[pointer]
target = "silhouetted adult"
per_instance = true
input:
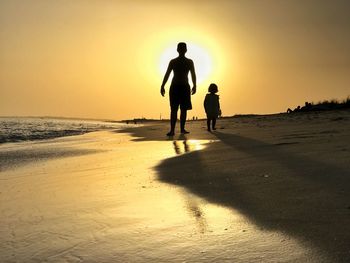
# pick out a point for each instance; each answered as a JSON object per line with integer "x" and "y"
{"x": 180, "y": 90}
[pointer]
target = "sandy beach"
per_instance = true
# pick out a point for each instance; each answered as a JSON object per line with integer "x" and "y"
{"x": 259, "y": 189}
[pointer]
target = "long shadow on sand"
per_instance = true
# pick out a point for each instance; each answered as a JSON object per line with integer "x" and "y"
{"x": 276, "y": 189}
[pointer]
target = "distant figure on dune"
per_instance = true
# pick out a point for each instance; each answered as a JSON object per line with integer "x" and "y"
{"x": 307, "y": 107}
{"x": 180, "y": 90}
{"x": 212, "y": 106}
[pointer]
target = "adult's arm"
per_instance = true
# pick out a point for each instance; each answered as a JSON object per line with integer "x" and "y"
{"x": 165, "y": 79}
{"x": 194, "y": 78}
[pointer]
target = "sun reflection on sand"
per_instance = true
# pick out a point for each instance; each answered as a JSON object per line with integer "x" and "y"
{"x": 186, "y": 146}
{"x": 112, "y": 206}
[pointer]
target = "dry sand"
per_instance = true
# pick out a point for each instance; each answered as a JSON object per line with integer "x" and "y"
{"x": 259, "y": 189}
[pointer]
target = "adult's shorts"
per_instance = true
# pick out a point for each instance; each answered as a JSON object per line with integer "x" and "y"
{"x": 180, "y": 95}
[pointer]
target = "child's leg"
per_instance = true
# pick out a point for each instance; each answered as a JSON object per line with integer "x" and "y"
{"x": 214, "y": 123}
{"x": 208, "y": 124}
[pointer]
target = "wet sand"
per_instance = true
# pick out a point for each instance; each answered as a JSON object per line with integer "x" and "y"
{"x": 259, "y": 189}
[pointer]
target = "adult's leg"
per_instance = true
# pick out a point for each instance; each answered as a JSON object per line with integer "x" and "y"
{"x": 214, "y": 123}
{"x": 173, "y": 119}
{"x": 183, "y": 117}
{"x": 208, "y": 124}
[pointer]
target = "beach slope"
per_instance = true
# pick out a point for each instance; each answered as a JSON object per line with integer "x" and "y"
{"x": 259, "y": 189}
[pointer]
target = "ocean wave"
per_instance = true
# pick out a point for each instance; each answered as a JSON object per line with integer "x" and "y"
{"x": 29, "y": 129}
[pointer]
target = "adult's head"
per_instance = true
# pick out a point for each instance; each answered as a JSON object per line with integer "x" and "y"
{"x": 182, "y": 48}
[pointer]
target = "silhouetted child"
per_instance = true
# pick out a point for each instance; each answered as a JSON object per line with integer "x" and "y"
{"x": 212, "y": 106}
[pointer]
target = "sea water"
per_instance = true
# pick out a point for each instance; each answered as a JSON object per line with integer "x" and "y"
{"x": 27, "y": 129}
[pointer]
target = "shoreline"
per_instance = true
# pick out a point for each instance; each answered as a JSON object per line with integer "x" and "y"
{"x": 257, "y": 189}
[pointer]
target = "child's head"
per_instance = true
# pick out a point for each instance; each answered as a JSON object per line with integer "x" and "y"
{"x": 213, "y": 88}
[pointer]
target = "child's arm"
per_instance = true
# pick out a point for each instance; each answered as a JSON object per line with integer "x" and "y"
{"x": 206, "y": 101}
{"x": 219, "y": 107}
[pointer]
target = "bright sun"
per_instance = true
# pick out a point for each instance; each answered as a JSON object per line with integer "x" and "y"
{"x": 201, "y": 59}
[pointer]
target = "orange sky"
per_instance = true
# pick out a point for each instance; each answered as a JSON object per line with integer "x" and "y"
{"x": 102, "y": 59}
